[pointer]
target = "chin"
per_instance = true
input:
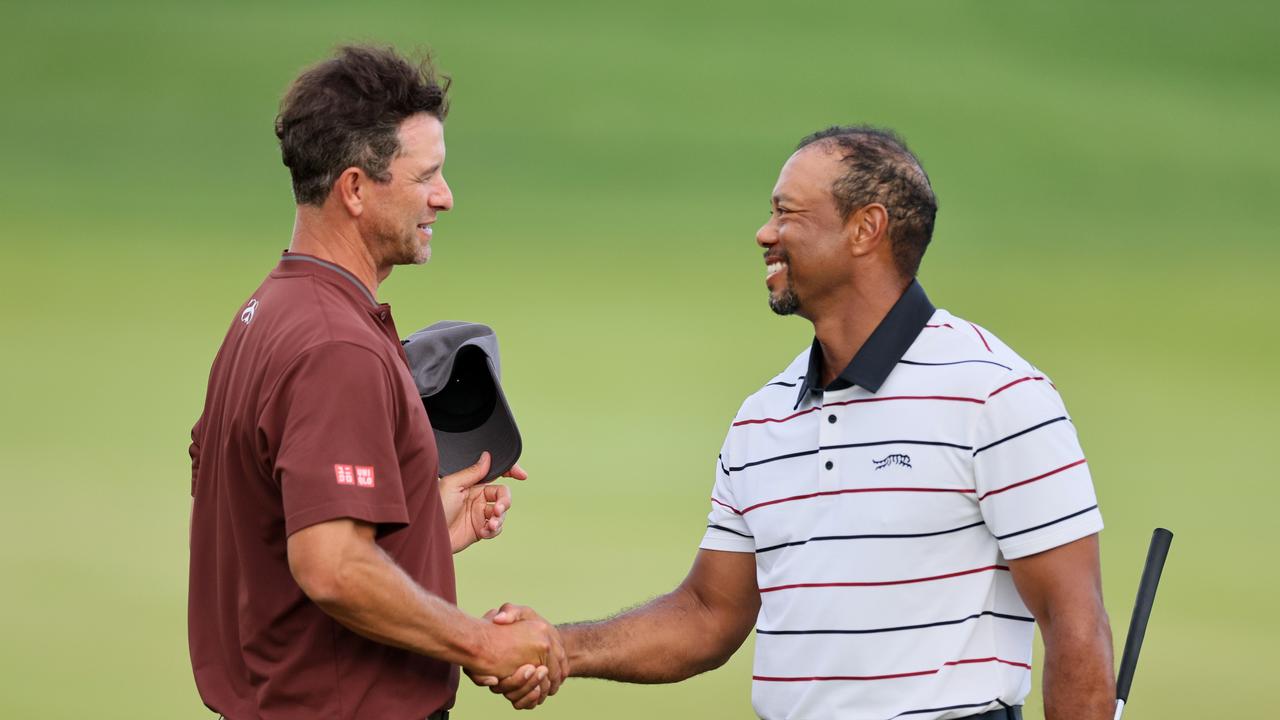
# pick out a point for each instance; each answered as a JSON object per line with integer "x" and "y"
{"x": 785, "y": 302}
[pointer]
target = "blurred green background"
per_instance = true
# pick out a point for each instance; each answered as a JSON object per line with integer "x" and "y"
{"x": 1107, "y": 174}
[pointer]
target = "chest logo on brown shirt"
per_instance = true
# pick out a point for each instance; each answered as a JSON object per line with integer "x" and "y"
{"x": 246, "y": 317}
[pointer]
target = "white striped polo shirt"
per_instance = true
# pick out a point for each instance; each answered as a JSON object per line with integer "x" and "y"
{"x": 882, "y": 510}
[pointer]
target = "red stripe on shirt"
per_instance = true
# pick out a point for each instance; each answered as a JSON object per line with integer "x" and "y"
{"x": 892, "y": 676}
{"x": 944, "y": 398}
{"x": 1020, "y": 483}
{"x": 1002, "y": 388}
{"x": 730, "y": 508}
{"x": 879, "y": 583}
{"x": 945, "y": 325}
{"x": 981, "y": 336}
{"x": 851, "y": 490}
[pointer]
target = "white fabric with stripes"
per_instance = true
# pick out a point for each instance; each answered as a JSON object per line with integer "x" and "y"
{"x": 885, "y": 543}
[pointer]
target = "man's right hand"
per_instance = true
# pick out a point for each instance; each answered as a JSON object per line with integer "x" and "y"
{"x": 528, "y": 654}
{"x": 529, "y": 685}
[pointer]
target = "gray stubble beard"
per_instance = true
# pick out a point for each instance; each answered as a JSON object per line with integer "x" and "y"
{"x": 786, "y": 303}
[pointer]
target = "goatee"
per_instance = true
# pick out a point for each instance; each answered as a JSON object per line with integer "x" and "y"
{"x": 785, "y": 303}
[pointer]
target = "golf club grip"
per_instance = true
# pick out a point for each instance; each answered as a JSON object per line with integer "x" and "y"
{"x": 1156, "y": 554}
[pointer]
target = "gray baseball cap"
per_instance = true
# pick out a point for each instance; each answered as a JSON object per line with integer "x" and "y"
{"x": 455, "y": 365}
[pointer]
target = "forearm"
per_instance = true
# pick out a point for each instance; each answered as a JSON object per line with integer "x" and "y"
{"x": 668, "y": 639}
{"x": 374, "y": 597}
{"x": 1078, "y": 674}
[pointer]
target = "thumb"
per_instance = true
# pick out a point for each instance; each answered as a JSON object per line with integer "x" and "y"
{"x": 468, "y": 476}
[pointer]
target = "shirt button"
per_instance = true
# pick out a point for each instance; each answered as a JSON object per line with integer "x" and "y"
{"x": 830, "y": 464}
{"x": 831, "y": 419}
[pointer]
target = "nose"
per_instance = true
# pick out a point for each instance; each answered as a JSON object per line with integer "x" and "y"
{"x": 767, "y": 235}
{"x": 442, "y": 198}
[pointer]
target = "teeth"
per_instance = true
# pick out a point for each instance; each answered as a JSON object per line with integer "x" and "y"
{"x": 774, "y": 267}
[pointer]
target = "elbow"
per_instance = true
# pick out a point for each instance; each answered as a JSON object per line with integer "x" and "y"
{"x": 723, "y": 630}
{"x": 327, "y": 583}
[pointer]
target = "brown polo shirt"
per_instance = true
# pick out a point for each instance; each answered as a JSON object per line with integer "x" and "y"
{"x": 310, "y": 415}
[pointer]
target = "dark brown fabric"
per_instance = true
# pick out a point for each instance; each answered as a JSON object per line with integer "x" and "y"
{"x": 310, "y": 415}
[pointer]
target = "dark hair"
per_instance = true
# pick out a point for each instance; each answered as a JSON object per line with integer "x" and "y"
{"x": 346, "y": 112}
{"x": 880, "y": 169}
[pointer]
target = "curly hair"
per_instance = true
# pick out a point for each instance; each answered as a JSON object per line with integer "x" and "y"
{"x": 346, "y": 112}
{"x": 878, "y": 168}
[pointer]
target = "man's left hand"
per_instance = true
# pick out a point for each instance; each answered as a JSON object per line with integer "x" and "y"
{"x": 475, "y": 511}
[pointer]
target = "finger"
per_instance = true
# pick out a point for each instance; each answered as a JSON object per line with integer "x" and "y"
{"x": 536, "y": 678}
{"x": 504, "y": 615}
{"x": 467, "y": 476}
{"x": 544, "y": 688}
{"x": 510, "y": 613}
{"x": 492, "y": 529}
{"x": 530, "y": 701}
{"x": 516, "y": 473}
{"x": 499, "y": 503}
{"x": 517, "y": 684}
{"x": 495, "y": 511}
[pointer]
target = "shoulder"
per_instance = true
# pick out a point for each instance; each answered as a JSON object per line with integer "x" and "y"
{"x": 969, "y": 351}
{"x": 779, "y": 394}
{"x": 298, "y": 313}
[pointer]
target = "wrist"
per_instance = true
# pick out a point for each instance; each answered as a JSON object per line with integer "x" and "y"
{"x": 474, "y": 645}
{"x": 574, "y": 638}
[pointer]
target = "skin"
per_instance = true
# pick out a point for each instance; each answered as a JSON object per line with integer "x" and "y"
{"x": 841, "y": 276}
{"x": 368, "y": 227}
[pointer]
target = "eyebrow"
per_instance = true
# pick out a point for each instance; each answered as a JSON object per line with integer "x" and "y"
{"x": 780, "y": 199}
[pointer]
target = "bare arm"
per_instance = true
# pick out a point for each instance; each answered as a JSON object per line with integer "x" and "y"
{"x": 340, "y": 567}
{"x": 693, "y": 629}
{"x": 1063, "y": 589}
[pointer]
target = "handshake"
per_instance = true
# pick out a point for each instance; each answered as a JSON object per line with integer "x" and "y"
{"x": 523, "y": 657}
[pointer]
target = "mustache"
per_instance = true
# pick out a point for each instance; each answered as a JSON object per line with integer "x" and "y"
{"x": 775, "y": 257}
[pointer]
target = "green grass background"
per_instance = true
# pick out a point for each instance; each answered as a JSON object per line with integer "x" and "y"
{"x": 1107, "y": 173}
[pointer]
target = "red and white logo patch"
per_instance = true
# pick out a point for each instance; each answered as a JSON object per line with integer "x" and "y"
{"x": 364, "y": 476}
{"x": 345, "y": 474}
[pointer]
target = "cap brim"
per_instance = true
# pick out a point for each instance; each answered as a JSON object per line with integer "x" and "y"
{"x": 498, "y": 435}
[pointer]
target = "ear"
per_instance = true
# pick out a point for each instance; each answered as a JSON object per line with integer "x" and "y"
{"x": 867, "y": 229}
{"x": 349, "y": 190}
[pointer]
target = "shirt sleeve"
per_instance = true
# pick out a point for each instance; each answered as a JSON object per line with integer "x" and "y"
{"x": 1032, "y": 479}
{"x": 726, "y": 528}
{"x": 194, "y": 451}
{"x": 330, "y": 427}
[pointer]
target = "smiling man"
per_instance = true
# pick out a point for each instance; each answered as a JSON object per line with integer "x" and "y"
{"x": 895, "y": 511}
{"x": 322, "y": 578}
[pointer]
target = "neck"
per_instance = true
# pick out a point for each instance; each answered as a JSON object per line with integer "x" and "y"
{"x": 843, "y": 328}
{"x": 339, "y": 243}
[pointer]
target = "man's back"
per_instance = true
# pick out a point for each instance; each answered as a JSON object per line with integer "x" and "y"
{"x": 311, "y": 415}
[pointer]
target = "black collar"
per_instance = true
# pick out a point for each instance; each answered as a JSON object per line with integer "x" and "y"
{"x": 876, "y": 358}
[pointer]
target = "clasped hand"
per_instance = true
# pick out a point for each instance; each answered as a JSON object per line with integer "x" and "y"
{"x": 521, "y": 634}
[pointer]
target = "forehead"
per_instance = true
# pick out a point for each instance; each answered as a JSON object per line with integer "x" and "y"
{"x": 421, "y": 138}
{"x": 811, "y": 171}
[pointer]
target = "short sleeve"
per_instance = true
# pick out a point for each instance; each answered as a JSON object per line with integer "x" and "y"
{"x": 726, "y": 528}
{"x": 331, "y": 428}
{"x": 1031, "y": 476}
{"x": 194, "y": 451}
